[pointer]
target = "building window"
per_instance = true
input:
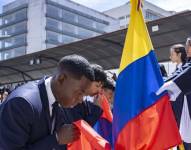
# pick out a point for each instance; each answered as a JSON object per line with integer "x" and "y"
{"x": 7, "y": 31}
{"x": 101, "y": 26}
{"x": 50, "y": 45}
{"x": 121, "y": 18}
{"x": 12, "y": 53}
{"x": 68, "y": 39}
{"x": 19, "y": 15}
{"x": 13, "y": 41}
{"x": 15, "y": 29}
{"x": 20, "y": 39}
{"x": 1, "y": 21}
{"x": 7, "y": 43}
{"x": 69, "y": 28}
{"x": 151, "y": 16}
{"x": 86, "y": 33}
{"x": 73, "y": 26}
{"x": 54, "y": 11}
{"x": 55, "y": 24}
{"x": 54, "y": 37}
{"x": 7, "y": 19}
{"x": 19, "y": 27}
{"x": 69, "y": 16}
{"x": 85, "y": 21}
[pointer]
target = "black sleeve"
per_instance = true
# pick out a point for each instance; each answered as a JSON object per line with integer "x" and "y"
{"x": 94, "y": 113}
{"x": 86, "y": 111}
{"x": 183, "y": 81}
{"x": 16, "y": 118}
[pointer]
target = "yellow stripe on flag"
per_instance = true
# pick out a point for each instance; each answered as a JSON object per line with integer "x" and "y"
{"x": 137, "y": 42}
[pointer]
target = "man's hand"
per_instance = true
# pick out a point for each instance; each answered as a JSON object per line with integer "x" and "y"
{"x": 98, "y": 100}
{"x": 67, "y": 133}
{"x": 172, "y": 89}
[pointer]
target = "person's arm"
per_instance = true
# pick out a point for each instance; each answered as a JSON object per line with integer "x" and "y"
{"x": 93, "y": 114}
{"x": 16, "y": 118}
{"x": 183, "y": 81}
{"x": 87, "y": 111}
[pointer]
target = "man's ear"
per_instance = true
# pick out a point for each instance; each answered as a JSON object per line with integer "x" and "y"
{"x": 62, "y": 77}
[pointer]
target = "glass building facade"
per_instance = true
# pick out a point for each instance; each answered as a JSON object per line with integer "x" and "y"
{"x": 65, "y": 25}
{"x": 60, "y": 23}
{"x": 13, "y": 32}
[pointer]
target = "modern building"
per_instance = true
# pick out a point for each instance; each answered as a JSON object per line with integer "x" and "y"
{"x": 150, "y": 12}
{"x": 28, "y": 26}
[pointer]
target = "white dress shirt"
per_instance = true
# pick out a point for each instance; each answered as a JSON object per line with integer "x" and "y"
{"x": 50, "y": 95}
{"x": 88, "y": 98}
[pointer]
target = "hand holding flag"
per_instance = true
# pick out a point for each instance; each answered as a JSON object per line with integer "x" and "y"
{"x": 172, "y": 89}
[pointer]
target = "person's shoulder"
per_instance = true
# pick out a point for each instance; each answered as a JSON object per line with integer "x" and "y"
{"x": 14, "y": 102}
{"x": 17, "y": 109}
{"x": 28, "y": 92}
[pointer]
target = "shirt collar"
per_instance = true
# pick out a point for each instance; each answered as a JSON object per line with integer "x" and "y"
{"x": 50, "y": 95}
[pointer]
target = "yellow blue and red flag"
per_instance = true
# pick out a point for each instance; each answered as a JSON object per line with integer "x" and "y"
{"x": 89, "y": 139}
{"x": 141, "y": 119}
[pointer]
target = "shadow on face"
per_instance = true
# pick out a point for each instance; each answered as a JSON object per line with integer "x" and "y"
{"x": 175, "y": 57}
{"x": 95, "y": 88}
{"x": 109, "y": 94}
{"x": 70, "y": 91}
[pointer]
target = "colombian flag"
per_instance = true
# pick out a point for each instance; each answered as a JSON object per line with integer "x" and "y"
{"x": 141, "y": 120}
{"x": 89, "y": 139}
{"x": 104, "y": 125}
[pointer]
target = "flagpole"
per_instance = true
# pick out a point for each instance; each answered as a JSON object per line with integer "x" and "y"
{"x": 181, "y": 147}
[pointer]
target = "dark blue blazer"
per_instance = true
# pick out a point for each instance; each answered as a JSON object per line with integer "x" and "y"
{"x": 183, "y": 81}
{"x": 87, "y": 111}
{"x": 25, "y": 120}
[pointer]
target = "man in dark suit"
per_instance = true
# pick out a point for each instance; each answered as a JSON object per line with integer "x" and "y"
{"x": 27, "y": 118}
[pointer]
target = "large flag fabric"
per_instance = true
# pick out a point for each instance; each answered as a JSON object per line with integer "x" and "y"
{"x": 89, "y": 139}
{"x": 104, "y": 125}
{"x": 141, "y": 119}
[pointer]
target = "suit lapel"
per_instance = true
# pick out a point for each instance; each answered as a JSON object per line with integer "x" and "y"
{"x": 44, "y": 100}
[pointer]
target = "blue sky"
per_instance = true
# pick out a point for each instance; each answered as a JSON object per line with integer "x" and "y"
{"x": 102, "y": 5}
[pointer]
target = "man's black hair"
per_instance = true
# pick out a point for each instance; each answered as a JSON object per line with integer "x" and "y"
{"x": 100, "y": 75}
{"x": 77, "y": 66}
{"x": 109, "y": 84}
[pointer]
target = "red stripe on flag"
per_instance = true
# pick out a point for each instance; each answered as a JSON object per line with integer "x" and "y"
{"x": 89, "y": 139}
{"x": 107, "y": 114}
{"x": 150, "y": 130}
